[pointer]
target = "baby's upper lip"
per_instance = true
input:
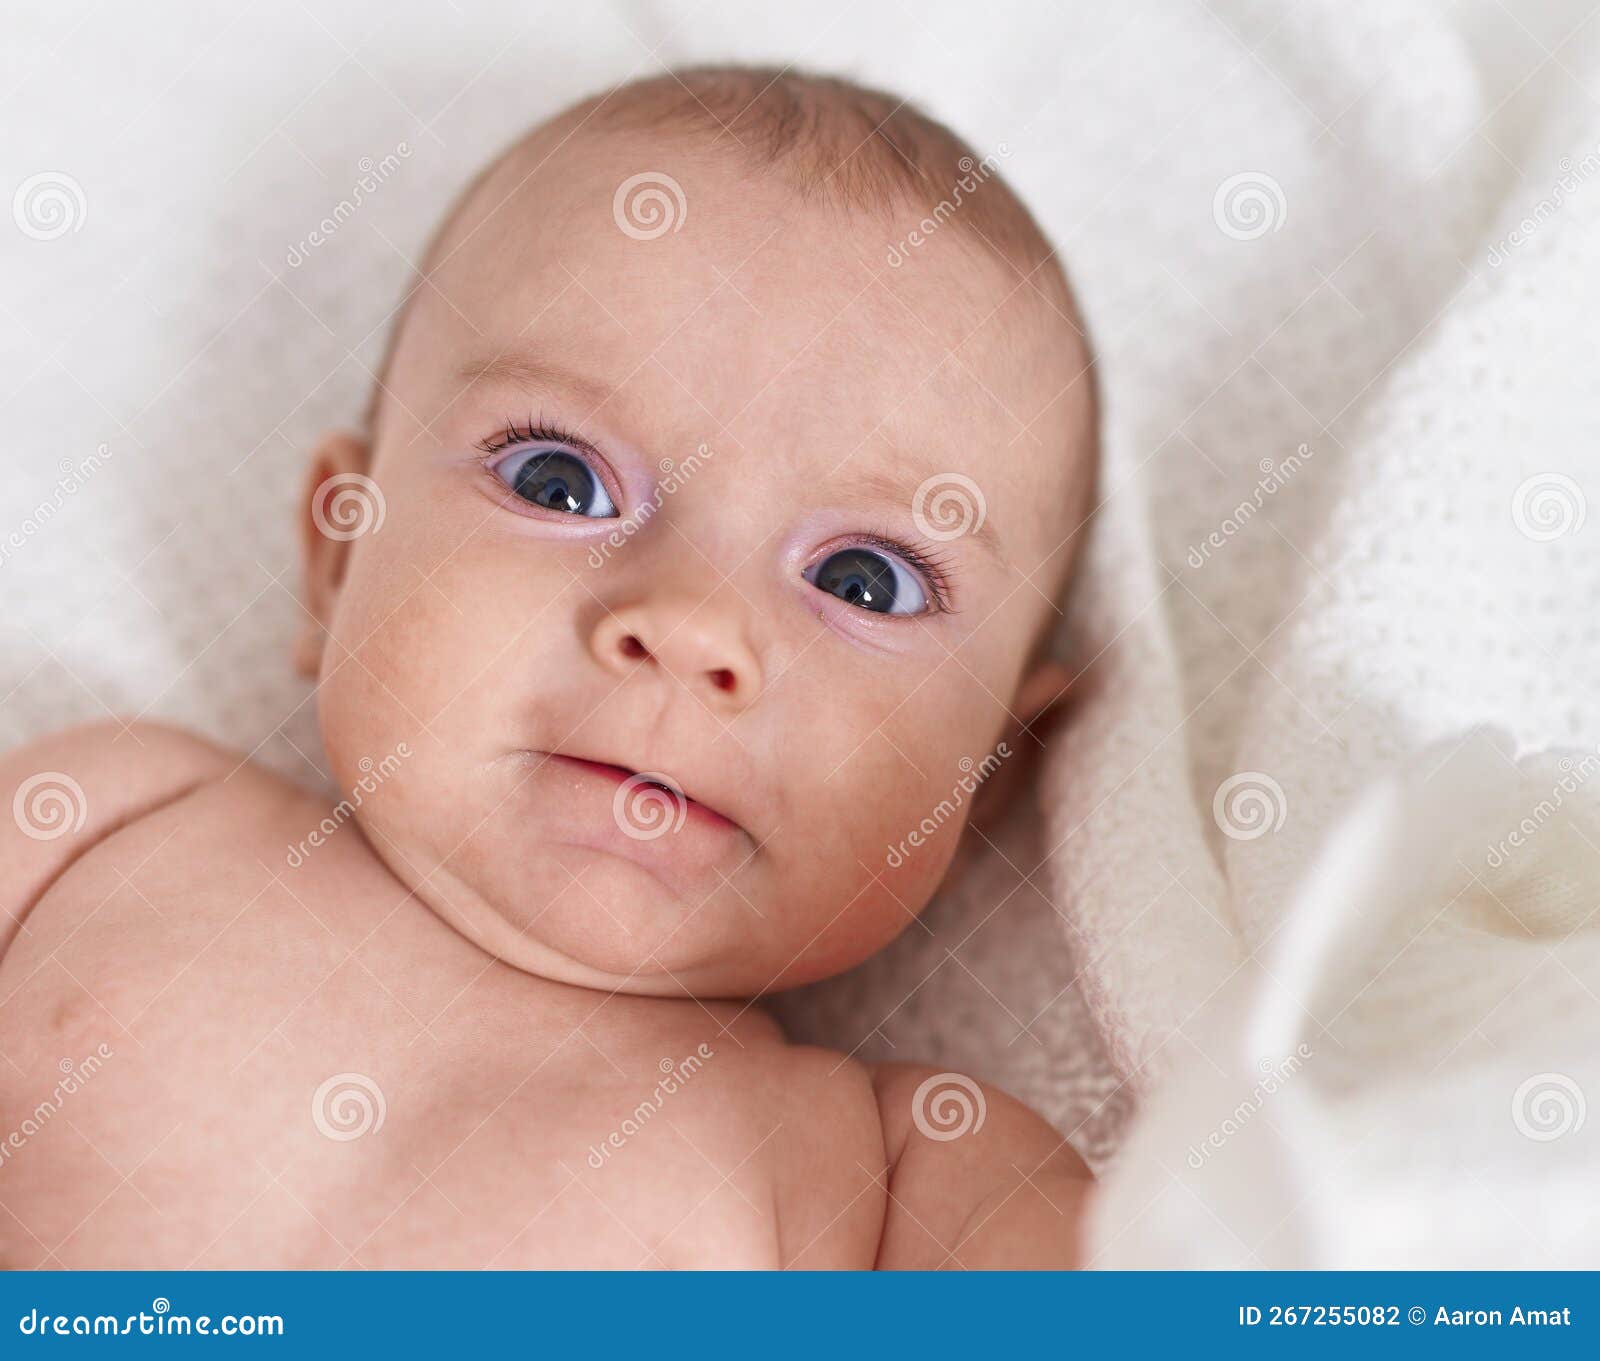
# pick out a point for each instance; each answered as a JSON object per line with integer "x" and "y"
{"x": 623, "y": 773}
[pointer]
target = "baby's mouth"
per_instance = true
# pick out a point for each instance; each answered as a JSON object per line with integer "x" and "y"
{"x": 647, "y": 804}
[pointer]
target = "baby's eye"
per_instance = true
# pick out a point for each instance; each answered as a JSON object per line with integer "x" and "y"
{"x": 556, "y": 479}
{"x": 870, "y": 580}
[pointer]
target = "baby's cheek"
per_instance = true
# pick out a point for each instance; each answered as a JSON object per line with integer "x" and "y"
{"x": 385, "y": 675}
{"x": 893, "y": 782}
{"x": 924, "y": 811}
{"x": 860, "y": 886}
{"x": 894, "y": 821}
{"x": 413, "y": 630}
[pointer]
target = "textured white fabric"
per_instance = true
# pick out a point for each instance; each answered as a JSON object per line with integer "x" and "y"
{"x": 1380, "y": 602}
{"x": 1423, "y": 566}
{"x": 1401, "y": 1077}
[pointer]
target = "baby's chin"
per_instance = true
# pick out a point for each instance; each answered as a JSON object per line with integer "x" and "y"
{"x": 595, "y": 919}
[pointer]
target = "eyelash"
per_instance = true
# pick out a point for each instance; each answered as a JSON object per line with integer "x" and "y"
{"x": 535, "y": 431}
{"x": 934, "y": 566}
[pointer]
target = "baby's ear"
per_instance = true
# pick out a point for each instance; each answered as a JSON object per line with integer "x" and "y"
{"x": 322, "y": 555}
{"x": 1041, "y": 691}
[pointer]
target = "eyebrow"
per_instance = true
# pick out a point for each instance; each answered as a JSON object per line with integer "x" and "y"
{"x": 868, "y": 486}
{"x": 525, "y": 369}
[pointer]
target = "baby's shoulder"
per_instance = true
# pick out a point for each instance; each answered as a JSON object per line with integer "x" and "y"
{"x": 75, "y": 789}
{"x": 125, "y": 763}
{"x": 829, "y": 1170}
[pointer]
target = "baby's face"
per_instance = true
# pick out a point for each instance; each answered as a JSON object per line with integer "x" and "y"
{"x": 702, "y": 507}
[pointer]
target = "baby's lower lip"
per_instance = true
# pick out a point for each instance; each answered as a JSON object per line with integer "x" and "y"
{"x": 670, "y": 802}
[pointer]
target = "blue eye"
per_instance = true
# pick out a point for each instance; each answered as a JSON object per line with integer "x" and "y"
{"x": 871, "y": 581}
{"x": 556, "y": 479}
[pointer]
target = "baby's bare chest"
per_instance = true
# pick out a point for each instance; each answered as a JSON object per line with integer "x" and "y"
{"x": 236, "y": 1067}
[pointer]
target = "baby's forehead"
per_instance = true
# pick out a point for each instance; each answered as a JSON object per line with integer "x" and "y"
{"x": 725, "y": 276}
{"x": 718, "y": 306}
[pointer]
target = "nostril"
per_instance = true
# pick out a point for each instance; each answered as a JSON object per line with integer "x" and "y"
{"x": 722, "y": 678}
{"x": 632, "y": 648}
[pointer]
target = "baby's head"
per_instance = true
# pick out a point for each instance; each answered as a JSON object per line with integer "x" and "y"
{"x": 733, "y": 448}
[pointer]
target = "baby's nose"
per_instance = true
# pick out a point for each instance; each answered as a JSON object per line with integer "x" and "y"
{"x": 699, "y": 643}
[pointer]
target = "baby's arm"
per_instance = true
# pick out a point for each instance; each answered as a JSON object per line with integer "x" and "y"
{"x": 1007, "y": 1194}
{"x": 69, "y": 791}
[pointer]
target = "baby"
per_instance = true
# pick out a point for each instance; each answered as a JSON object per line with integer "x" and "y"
{"x": 728, "y": 457}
